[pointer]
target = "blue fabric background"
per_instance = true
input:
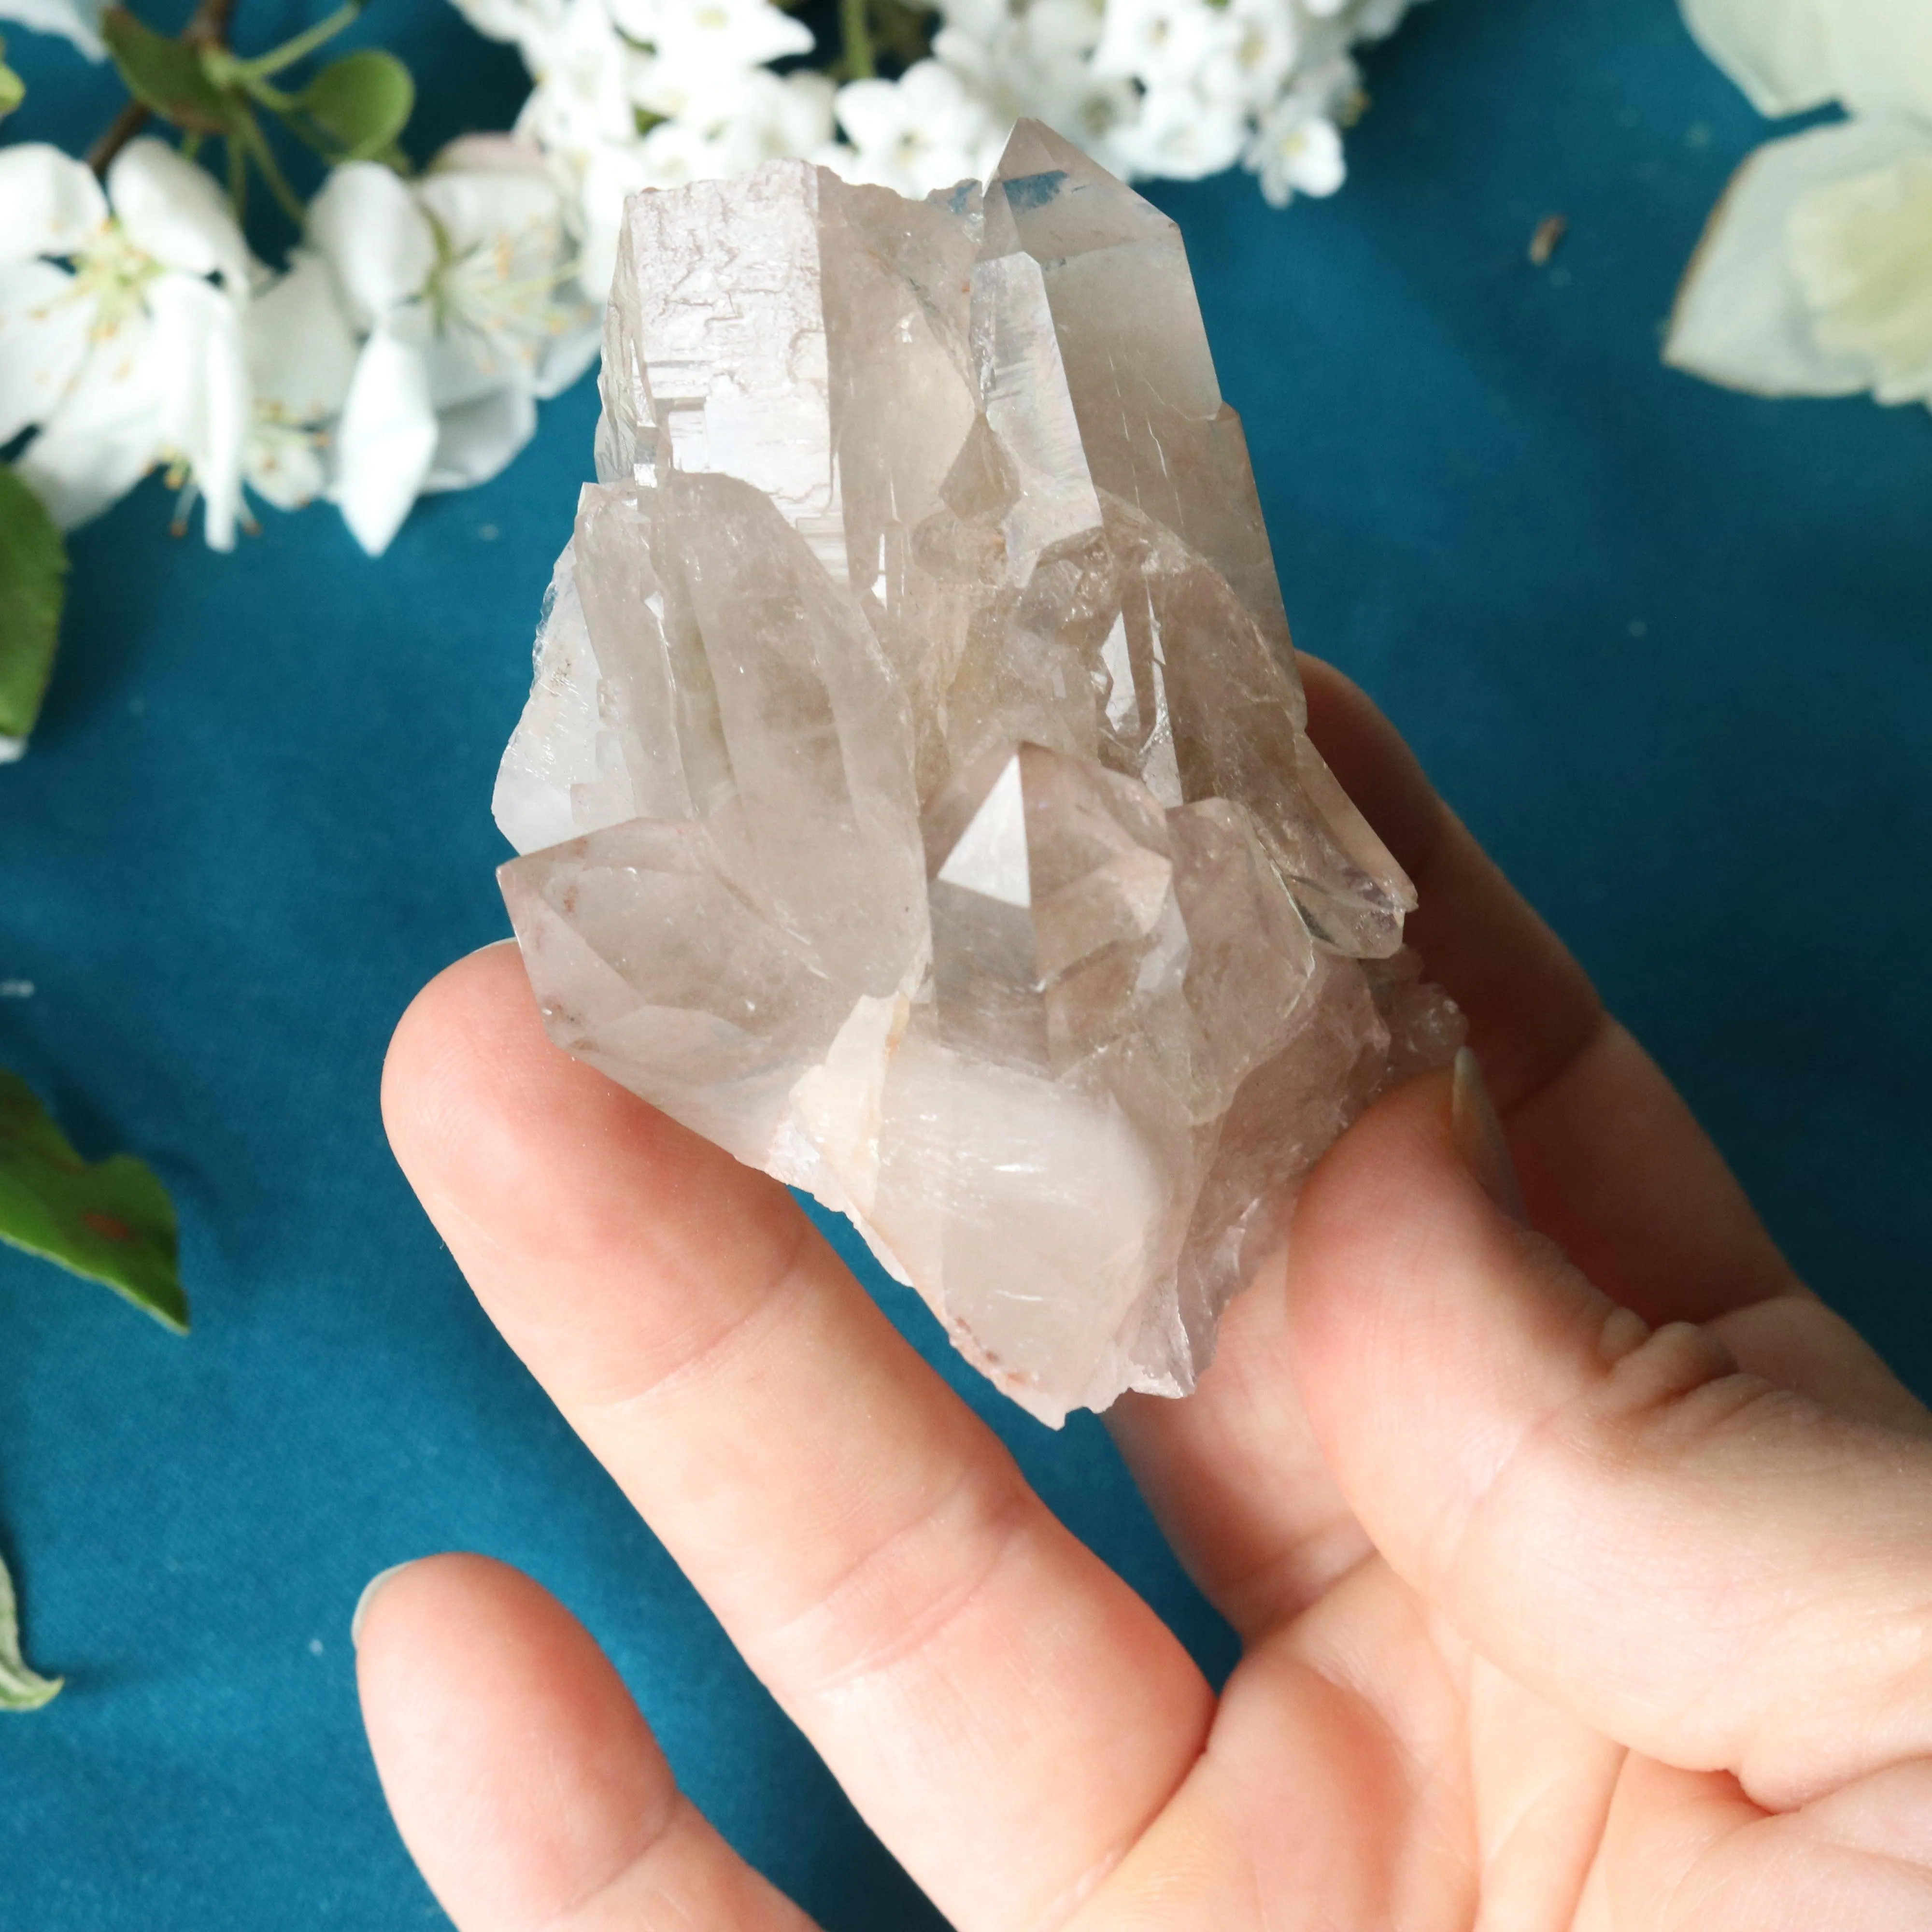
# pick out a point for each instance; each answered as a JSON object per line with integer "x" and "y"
{"x": 1669, "y": 650}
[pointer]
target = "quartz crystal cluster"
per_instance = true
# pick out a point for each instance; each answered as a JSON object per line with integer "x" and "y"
{"x": 914, "y": 794}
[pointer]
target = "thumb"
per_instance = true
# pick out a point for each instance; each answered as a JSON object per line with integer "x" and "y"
{"x": 1717, "y": 1569}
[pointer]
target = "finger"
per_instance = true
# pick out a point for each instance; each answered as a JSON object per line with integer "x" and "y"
{"x": 1612, "y": 1164}
{"x": 949, "y": 1647}
{"x": 1717, "y": 1572}
{"x": 528, "y": 1789}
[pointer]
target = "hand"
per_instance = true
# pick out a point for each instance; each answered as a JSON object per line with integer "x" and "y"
{"x": 1583, "y": 1575}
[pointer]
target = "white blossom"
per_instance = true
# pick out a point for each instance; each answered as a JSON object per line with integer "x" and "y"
{"x": 697, "y": 46}
{"x": 122, "y": 316}
{"x": 1296, "y": 150}
{"x": 1037, "y": 63}
{"x": 461, "y": 285}
{"x": 1164, "y": 44}
{"x": 302, "y": 355}
{"x": 1181, "y": 132}
{"x": 926, "y": 129}
{"x": 638, "y": 94}
{"x": 1252, "y": 65}
{"x": 1814, "y": 276}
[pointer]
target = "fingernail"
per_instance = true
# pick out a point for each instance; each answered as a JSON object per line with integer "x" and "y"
{"x": 1479, "y": 1137}
{"x": 367, "y": 1597}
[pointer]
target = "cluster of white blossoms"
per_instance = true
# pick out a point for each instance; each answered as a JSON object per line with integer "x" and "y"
{"x": 404, "y": 346}
{"x": 1815, "y": 275}
{"x": 633, "y": 93}
{"x": 401, "y": 351}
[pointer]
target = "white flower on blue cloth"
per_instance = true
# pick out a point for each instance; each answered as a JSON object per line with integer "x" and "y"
{"x": 461, "y": 285}
{"x": 1814, "y": 276}
{"x": 122, "y": 325}
{"x": 926, "y": 129}
{"x": 638, "y": 94}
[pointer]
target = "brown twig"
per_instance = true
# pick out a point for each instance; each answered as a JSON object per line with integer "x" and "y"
{"x": 122, "y": 129}
{"x": 207, "y": 27}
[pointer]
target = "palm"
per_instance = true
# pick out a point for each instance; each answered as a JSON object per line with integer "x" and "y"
{"x": 1537, "y": 1605}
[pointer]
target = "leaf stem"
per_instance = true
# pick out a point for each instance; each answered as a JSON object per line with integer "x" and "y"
{"x": 272, "y": 98}
{"x": 285, "y": 196}
{"x": 304, "y": 44}
{"x": 855, "y": 34}
{"x": 238, "y": 176}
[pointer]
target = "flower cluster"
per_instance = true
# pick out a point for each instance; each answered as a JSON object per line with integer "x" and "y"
{"x": 404, "y": 345}
{"x": 401, "y": 351}
{"x": 632, "y": 94}
{"x": 1814, "y": 276}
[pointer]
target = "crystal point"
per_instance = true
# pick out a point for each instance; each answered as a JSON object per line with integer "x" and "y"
{"x": 914, "y": 792}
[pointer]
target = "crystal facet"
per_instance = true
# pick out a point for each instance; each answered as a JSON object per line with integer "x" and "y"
{"x": 914, "y": 793}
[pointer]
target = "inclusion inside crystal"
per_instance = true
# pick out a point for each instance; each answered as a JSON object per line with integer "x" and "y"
{"x": 914, "y": 792}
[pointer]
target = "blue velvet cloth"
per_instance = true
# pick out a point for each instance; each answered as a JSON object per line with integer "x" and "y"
{"x": 1667, "y": 649}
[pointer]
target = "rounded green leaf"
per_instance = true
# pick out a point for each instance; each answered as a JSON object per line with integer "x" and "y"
{"x": 33, "y": 586}
{"x": 360, "y": 103}
{"x": 110, "y": 1220}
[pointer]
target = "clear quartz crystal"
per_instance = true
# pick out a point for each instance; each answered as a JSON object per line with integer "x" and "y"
{"x": 914, "y": 792}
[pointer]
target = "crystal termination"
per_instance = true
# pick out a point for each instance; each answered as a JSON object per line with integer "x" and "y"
{"x": 913, "y": 791}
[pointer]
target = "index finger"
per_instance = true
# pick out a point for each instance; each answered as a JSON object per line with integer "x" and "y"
{"x": 1003, "y": 1710}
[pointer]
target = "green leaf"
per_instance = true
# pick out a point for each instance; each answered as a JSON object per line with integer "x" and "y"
{"x": 359, "y": 103}
{"x": 33, "y": 586}
{"x": 166, "y": 75}
{"x": 20, "y": 1689}
{"x": 113, "y": 1222}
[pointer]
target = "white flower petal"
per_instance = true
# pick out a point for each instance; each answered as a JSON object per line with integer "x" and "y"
{"x": 172, "y": 210}
{"x": 611, "y": 175}
{"x": 478, "y": 437}
{"x": 203, "y": 374}
{"x": 1881, "y": 55}
{"x": 105, "y": 436}
{"x": 1861, "y": 249}
{"x": 1789, "y": 56}
{"x": 490, "y": 153}
{"x": 1742, "y": 317}
{"x": 1297, "y": 152}
{"x": 368, "y": 227}
{"x": 872, "y": 113}
{"x": 1375, "y": 19}
{"x": 43, "y": 334}
{"x": 49, "y": 202}
{"x": 385, "y": 441}
{"x": 76, "y": 20}
{"x": 475, "y": 208}
{"x": 301, "y": 354}
{"x": 1182, "y": 136}
{"x": 1776, "y": 50}
{"x": 705, "y": 36}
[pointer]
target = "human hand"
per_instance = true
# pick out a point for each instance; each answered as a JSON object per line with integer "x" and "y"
{"x": 1558, "y": 1610}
